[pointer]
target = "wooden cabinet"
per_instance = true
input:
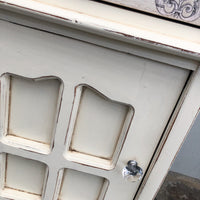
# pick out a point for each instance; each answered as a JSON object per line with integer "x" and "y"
{"x": 76, "y": 106}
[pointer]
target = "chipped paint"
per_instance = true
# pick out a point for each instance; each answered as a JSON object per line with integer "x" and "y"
{"x": 152, "y": 42}
{"x": 99, "y": 28}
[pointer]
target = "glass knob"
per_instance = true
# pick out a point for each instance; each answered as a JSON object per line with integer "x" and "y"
{"x": 132, "y": 172}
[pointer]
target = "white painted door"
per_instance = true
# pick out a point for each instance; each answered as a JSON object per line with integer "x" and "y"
{"x": 73, "y": 114}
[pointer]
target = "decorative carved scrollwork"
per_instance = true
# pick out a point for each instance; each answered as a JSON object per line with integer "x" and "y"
{"x": 187, "y": 10}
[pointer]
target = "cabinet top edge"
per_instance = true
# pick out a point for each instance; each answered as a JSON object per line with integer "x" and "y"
{"x": 144, "y": 30}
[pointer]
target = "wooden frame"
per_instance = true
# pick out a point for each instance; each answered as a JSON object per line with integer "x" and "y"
{"x": 182, "y": 50}
{"x": 144, "y": 30}
{"x": 179, "y": 131}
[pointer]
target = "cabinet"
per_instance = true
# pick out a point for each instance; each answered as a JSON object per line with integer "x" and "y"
{"x": 77, "y": 106}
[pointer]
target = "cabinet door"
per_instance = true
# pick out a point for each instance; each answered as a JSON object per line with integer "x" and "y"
{"x": 73, "y": 114}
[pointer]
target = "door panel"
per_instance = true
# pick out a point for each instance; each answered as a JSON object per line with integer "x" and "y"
{"x": 98, "y": 125}
{"x": 28, "y": 105}
{"x": 81, "y": 186}
{"x": 24, "y": 95}
{"x": 113, "y": 108}
{"x": 21, "y": 176}
{"x": 99, "y": 128}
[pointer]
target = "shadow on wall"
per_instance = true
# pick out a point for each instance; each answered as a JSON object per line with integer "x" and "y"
{"x": 187, "y": 161}
{"x": 183, "y": 179}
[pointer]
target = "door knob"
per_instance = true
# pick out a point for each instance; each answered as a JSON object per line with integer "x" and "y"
{"x": 132, "y": 172}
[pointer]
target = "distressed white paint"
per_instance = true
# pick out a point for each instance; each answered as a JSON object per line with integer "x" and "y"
{"x": 80, "y": 186}
{"x": 8, "y": 194}
{"x": 184, "y": 122}
{"x": 100, "y": 122}
{"x": 98, "y": 127}
{"x": 25, "y": 175}
{"x": 151, "y": 87}
{"x": 20, "y": 176}
{"x": 108, "y": 41}
{"x": 34, "y": 101}
{"x": 127, "y": 26}
{"x": 31, "y": 109}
